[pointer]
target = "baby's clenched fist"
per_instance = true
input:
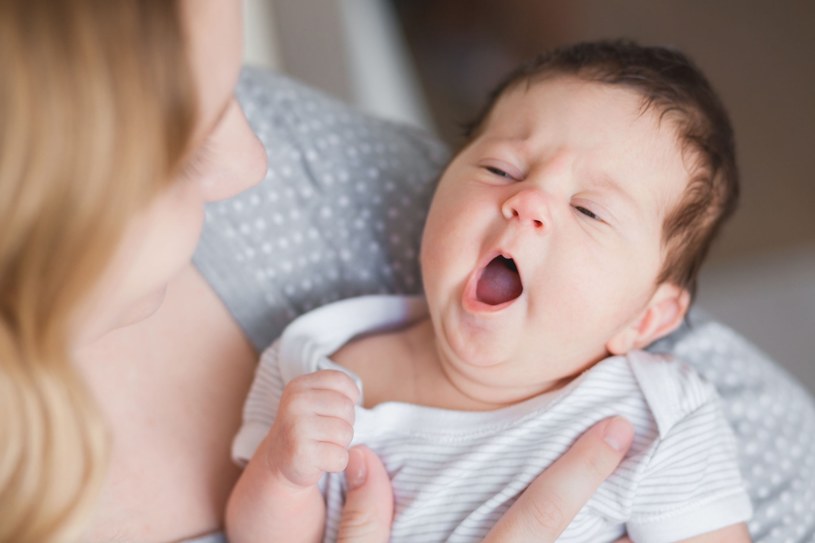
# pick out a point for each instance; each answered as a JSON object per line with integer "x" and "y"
{"x": 313, "y": 428}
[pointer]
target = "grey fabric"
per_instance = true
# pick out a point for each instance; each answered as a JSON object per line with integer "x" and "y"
{"x": 340, "y": 214}
{"x": 217, "y": 537}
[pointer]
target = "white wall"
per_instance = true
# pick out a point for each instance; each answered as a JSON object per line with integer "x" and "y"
{"x": 260, "y": 44}
{"x": 352, "y": 49}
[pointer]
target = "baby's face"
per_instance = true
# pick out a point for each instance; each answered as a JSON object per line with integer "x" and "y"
{"x": 543, "y": 242}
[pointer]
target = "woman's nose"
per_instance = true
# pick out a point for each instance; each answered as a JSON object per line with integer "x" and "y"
{"x": 527, "y": 206}
{"x": 236, "y": 159}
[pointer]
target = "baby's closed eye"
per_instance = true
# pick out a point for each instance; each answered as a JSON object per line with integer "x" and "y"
{"x": 588, "y": 212}
{"x": 497, "y": 171}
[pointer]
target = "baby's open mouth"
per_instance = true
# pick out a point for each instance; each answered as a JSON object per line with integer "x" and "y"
{"x": 500, "y": 282}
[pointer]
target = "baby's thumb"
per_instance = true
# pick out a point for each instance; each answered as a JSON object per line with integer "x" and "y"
{"x": 368, "y": 510}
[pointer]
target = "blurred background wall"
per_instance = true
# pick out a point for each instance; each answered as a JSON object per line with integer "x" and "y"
{"x": 431, "y": 62}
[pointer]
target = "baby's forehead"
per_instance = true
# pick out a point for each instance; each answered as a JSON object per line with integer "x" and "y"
{"x": 530, "y": 104}
{"x": 518, "y": 97}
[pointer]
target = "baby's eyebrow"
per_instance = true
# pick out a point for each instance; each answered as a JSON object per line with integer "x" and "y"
{"x": 605, "y": 182}
{"x": 504, "y": 141}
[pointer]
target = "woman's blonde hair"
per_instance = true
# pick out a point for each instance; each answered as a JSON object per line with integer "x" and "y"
{"x": 97, "y": 108}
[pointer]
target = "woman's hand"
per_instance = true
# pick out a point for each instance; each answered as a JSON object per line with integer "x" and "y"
{"x": 541, "y": 513}
{"x": 550, "y": 503}
{"x": 369, "y": 503}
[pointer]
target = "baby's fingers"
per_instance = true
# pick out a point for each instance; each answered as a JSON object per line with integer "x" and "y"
{"x": 310, "y": 462}
{"x": 299, "y": 406}
{"x": 325, "y": 393}
{"x": 331, "y": 457}
{"x": 327, "y": 380}
{"x": 329, "y": 430}
{"x": 306, "y": 446}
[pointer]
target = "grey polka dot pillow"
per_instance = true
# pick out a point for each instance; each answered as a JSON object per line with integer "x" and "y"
{"x": 340, "y": 214}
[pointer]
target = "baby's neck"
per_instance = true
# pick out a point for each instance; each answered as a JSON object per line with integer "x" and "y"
{"x": 406, "y": 366}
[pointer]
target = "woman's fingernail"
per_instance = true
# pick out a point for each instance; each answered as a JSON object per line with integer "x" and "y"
{"x": 618, "y": 433}
{"x": 355, "y": 471}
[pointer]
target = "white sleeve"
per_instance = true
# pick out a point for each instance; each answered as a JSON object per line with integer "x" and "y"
{"x": 692, "y": 483}
{"x": 260, "y": 408}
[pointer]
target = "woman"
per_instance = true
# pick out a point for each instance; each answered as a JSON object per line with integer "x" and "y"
{"x": 117, "y": 123}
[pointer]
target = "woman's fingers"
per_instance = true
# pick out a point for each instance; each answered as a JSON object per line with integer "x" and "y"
{"x": 368, "y": 511}
{"x": 550, "y": 503}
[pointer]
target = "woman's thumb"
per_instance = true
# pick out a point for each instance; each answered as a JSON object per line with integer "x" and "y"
{"x": 368, "y": 510}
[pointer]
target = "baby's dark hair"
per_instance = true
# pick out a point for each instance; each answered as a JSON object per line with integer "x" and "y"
{"x": 669, "y": 82}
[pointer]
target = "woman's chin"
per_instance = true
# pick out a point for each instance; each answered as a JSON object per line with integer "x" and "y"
{"x": 106, "y": 322}
{"x": 142, "y": 309}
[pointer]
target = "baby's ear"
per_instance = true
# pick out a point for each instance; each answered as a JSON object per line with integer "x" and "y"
{"x": 662, "y": 315}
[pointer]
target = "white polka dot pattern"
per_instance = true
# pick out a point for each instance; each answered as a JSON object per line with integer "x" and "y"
{"x": 340, "y": 215}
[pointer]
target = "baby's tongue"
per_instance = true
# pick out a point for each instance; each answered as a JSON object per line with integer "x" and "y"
{"x": 499, "y": 282}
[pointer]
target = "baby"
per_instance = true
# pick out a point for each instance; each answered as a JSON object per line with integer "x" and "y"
{"x": 563, "y": 238}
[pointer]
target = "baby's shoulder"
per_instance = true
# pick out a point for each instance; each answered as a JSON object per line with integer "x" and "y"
{"x": 672, "y": 389}
{"x": 381, "y": 363}
{"x": 368, "y": 352}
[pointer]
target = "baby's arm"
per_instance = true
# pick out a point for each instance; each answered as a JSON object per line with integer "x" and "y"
{"x": 277, "y": 497}
{"x": 737, "y": 533}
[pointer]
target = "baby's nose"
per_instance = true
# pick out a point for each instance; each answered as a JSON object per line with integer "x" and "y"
{"x": 527, "y": 206}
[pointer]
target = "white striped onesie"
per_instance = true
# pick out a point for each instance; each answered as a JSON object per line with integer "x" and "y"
{"x": 454, "y": 473}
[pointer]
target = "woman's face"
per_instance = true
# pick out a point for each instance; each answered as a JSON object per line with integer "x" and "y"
{"x": 227, "y": 159}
